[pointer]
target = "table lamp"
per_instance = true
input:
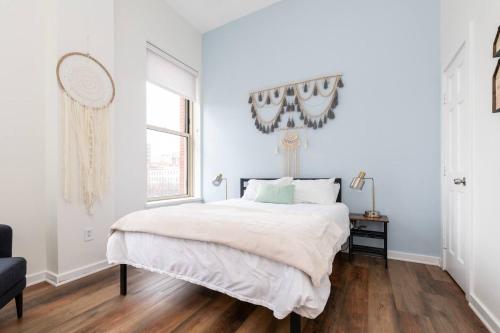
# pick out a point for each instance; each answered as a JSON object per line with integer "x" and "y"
{"x": 357, "y": 184}
{"x": 218, "y": 180}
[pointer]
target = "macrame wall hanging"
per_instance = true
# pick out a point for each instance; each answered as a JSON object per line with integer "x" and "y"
{"x": 291, "y": 144}
{"x": 294, "y": 107}
{"x": 87, "y": 93}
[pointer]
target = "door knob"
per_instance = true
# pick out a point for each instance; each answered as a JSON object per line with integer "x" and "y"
{"x": 459, "y": 181}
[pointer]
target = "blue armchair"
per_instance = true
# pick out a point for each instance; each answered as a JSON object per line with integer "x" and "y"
{"x": 12, "y": 272}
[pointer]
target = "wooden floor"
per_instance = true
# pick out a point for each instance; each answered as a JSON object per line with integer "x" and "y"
{"x": 364, "y": 298}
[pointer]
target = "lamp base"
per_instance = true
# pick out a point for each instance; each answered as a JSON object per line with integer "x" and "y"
{"x": 372, "y": 213}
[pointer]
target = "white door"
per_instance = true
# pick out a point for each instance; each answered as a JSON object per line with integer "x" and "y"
{"x": 457, "y": 154}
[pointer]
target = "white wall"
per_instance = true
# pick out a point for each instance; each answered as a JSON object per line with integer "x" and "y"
{"x": 36, "y": 33}
{"x": 22, "y": 128}
{"x": 86, "y": 26}
{"x": 484, "y": 17}
{"x": 47, "y": 230}
{"x": 137, "y": 22}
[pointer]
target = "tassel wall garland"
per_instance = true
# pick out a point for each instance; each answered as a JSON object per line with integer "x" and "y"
{"x": 298, "y": 93}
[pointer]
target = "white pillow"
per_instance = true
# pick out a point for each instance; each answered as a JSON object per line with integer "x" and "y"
{"x": 253, "y": 184}
{"x": 319, "y": 191}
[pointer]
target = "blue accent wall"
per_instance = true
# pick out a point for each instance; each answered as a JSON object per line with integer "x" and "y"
{"x": 387, "y": 122}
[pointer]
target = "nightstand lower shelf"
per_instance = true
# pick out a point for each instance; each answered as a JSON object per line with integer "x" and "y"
{"x": 367, "y": 249}
{"x": 367, "y": 233}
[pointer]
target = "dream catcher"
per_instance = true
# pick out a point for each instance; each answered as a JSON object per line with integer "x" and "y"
{"x": 88, "y": 91}
{"x": 292, "y": 107}
{"x": 291, "y": 144}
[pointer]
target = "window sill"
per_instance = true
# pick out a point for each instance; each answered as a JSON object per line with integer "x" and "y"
{"x": 172, "y": 202}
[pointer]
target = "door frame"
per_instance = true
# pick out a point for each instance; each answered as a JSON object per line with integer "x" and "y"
{"x": 467, "y": 45}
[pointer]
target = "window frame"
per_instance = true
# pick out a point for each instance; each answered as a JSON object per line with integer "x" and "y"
{"x": 188, "y": 134}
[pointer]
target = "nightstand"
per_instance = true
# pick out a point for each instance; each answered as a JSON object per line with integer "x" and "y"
{"x": 367, "y": 233}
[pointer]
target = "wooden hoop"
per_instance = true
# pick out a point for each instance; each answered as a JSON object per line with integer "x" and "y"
{"x": 99, "y": 64}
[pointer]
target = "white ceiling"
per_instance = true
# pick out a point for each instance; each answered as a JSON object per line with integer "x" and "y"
{"x": 206, "y": 15}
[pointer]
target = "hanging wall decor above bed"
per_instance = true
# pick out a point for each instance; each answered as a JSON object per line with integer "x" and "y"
{"x": 303, "y": 104}
{"x": 292, "y": 108}
{"x": 88, "y": 90}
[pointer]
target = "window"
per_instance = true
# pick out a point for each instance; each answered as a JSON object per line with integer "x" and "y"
{"x": 169, "y": 94}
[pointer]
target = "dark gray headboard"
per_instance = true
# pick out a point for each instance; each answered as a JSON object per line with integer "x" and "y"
{"x": 244, "y": 183}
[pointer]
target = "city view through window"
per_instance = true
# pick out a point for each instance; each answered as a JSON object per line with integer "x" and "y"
{"x": 167, "y": 143}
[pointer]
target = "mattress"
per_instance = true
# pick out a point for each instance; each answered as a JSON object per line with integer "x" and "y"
{"x": 239, "y": 274}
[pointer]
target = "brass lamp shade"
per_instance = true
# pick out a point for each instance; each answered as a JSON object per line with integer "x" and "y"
{"x": 217, "y": 180}
{"x": 358, "y": 182}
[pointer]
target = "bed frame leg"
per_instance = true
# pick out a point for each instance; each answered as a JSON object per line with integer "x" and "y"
{"x": 294, "y": 323}
{"x": 123, "y": 279}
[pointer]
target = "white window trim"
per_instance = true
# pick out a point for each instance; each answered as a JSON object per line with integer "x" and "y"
{"x": 194, "y": 183}
{"x": 172, "y": 202}
{"x": 189, "y": 156}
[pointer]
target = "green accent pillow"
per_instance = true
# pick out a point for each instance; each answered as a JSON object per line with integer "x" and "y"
{"x": 279, "y": 194}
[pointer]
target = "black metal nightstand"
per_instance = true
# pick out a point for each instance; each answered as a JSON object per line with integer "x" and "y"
{"x": 366, "y": 233}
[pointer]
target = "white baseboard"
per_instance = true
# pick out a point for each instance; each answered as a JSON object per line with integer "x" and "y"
{"x": 51, "y": 278}
{"x": 63, "y": 278}
{"x": 81, "y": 272}
{"x": 72, "y": 275}
{"x": 485, "y": 315}
{"x": 413, "y": 257}
{"x": 35, "y": 278}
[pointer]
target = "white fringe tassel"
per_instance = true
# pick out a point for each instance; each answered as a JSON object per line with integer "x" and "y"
{"x": 291, "y": 144}
{"x": 85, "y": 133}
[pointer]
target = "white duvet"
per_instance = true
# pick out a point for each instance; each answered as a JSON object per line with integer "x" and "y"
{"x": 242, "y": 275}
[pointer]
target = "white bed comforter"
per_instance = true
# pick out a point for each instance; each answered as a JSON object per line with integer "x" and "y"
{"x": 240, "y": 274}
{"x": 301, "y": 240}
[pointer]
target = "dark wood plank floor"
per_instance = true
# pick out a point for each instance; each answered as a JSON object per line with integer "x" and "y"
{"x": 364, "y": 298}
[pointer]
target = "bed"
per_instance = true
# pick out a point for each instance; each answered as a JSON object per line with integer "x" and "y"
{"x": 244, "y": 275}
